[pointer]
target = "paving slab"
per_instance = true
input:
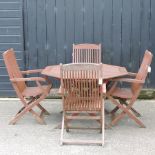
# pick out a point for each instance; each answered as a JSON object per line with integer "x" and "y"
{"x": 28, "y": 137}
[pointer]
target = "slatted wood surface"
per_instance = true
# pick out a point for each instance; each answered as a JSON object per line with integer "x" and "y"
{"x": 86, "y": 53}
{"x": 80, "y": 87}
{"x": 108, "y": 71}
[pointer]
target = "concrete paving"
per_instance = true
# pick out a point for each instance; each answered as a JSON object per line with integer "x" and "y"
{"x": 27, "y": 137}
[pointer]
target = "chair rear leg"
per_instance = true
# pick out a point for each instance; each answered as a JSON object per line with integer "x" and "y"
{"x": 103, "y": 124}
{"x": 26, "y": 109}
{"x": 62, "y": 130}
{"x": 120, "y": 116}
{"x": 80, "y": 141}
{"x": 101, "y": 121}
{"x": 125, "y": 111}
{"x": 117, "y": 108}
{"x": 39, "y": 119}
{"x": 132, "y": 109}
{"x": 43, "y": 109}
{"x": 66, "y": 122}
{"x": 13, "y": 121}
{"x": 114, "y": 110}
{"x": 18, "y": 116}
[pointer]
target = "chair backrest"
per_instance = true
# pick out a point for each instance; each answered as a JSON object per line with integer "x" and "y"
{"x": 80, "y": 87}
{"x": 86, "y": 53}
{"x": 143, "y": 71}
{"x": 13, "y": 69}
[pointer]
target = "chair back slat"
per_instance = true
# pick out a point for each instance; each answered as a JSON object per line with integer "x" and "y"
{"x": 87, "y": 53}
{"x": 13, "y": 68}
{"x": 80, "y": 87}
{"x": 143, "y": 71}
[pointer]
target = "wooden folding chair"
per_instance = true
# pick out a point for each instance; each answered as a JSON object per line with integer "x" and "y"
{"x": 81, "y": 94}
{"x": 86, "y": 53}
{"x": 127, "y": 96}
{"x": 29, "y": 96}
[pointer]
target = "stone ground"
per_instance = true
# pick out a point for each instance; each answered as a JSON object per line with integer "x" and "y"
{"x": 27, "y": 137}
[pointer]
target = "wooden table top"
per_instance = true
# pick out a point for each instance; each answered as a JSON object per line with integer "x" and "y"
{"x": 108, "y": 71}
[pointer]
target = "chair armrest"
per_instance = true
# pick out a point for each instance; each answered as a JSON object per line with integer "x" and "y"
{"x": 32, "y": 71}
{"x": 28, "y": 79}
{"x": 132, "y": 74}
{"x": 128, "y": 80}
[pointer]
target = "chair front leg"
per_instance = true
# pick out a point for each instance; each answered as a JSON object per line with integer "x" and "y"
{"x": 125, "y": 111}
{"x": 43, "y": 109}
{"x": 132, "y": 109}
{"x": 116, "y": 108}
{"x": 128, "y": 106}
{"x": 37, "y": 117}
{"x": 26, "y": 109}
{"x": 62, "y": 129}
{"x": 66, "y": 121}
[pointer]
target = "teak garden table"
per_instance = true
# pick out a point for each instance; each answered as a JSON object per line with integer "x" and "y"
{"x": 108, "y": 71}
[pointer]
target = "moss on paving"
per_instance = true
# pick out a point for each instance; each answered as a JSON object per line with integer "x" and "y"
{"x": 147, "y": 94}
{"x": 144, "y": 94}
